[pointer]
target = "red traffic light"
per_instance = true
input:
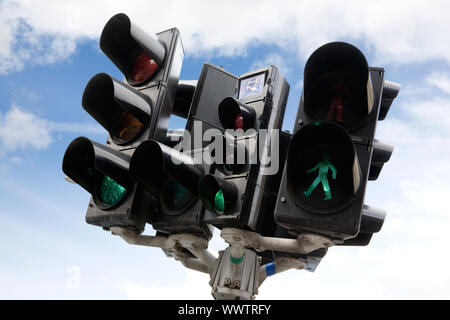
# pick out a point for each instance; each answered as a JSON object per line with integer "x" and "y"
{"x": 135, "y": 53}
{"x": 144, "y": 67}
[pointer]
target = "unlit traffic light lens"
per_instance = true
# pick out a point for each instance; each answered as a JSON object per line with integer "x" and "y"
{"x": 110, "y": 192}
{"x": 238, "y": 122}
{"x": 176, "y": 197}
{"x": 144, "y": 67}
{"x": 128, "y": 127}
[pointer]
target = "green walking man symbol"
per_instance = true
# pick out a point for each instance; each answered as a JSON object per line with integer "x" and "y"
{"x": 323, "y": 167}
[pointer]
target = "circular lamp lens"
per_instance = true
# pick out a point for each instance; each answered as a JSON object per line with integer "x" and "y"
{"x": 128, "y": 127}
{"x": 144, "y": 67}
{"x": 238, "y": 122}
{"x": 176, "y": 197}
{"x": 110, "y": 192}
{"x": 219, "y": 202}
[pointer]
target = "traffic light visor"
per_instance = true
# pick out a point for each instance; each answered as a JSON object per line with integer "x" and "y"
{"x": 153, "y": 163}
{"x": 120, "y": 109}
{"x": 136, "y": 54}
{"x": 101, "y": 171}
{"x": 234, "y": 114}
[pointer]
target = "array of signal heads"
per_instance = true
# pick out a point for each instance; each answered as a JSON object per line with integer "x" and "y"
{"x": 342, "y": 100}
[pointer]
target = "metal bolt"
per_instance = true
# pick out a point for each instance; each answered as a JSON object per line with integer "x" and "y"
{"x": 300, "y": 121}
{"x": 260, "y": 259}
{"x": 227, "y": 281}
{"x": 214, "y": 288}
{"x": 237, "y": 283}
{"x": 283, "y": 199}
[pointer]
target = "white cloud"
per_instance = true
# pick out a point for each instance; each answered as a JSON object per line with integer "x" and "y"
{"x": 84, "y": 128}
{"x": 15, "y": 160}
{"x": 392, "y": 31}
{"x": 275, "y": 60}
{"x": 21, "y": 129}
{"x": 440, "y": 80}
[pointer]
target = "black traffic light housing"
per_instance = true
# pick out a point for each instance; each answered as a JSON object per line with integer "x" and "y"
{"x": 104, "y": 173}
{"x": 133, "y": 51}
{"x": 131, "y": 112}
{"x": 222, "y": 102}
{"x": 234, "y": 114}
{"x": 122, "y": 110}
{"x": 171, "y": 177}
{"x": 337, "y": 116}
{"x": 122, "y": 41}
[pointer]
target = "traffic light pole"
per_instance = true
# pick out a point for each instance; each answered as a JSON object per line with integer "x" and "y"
{"x": 237, "y": 273}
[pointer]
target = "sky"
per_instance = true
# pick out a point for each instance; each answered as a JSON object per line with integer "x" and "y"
{"x": 48, "y": 52}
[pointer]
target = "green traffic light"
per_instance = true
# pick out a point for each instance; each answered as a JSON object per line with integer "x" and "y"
{"x": 323, "y": 167}
{"x": 219, "y": 201}
{"x": 110, "y": 192}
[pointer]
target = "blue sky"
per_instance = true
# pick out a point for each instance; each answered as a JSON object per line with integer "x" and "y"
{"x": 48, "y": 54}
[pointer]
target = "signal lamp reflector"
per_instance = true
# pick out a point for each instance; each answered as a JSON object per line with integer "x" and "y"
{"x": 217, "y": 195}
{"x": 144, "y": 67}
{"x": 110, "y": 192}
{"x": 127, "y": 128}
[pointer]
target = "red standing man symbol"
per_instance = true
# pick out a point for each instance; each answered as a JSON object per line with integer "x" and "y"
{"x": 336, "y": 106}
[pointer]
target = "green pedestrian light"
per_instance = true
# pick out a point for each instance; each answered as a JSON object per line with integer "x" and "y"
{"x": 318, "y": 152}
{"x": 322, "y": 177}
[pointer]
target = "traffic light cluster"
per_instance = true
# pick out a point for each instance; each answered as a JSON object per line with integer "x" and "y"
{"x": 232, "y": 166}
{"x": 242, "y": 125}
